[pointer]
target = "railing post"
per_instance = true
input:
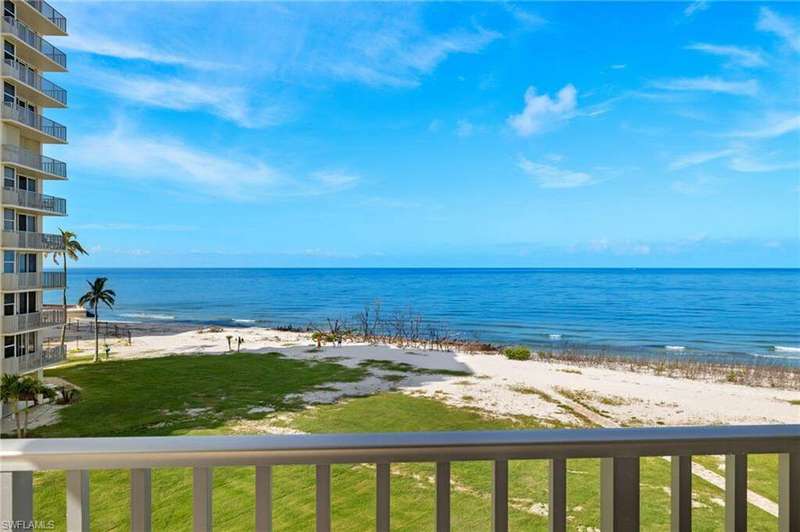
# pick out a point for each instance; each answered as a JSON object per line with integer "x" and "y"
{"x": 141, "y": 500}
{"x": 681, "y": 492}
{"x": 500, "y": 496}
{"x": 324, "y": 498}
{"x": 78, "y": 501}
{"x": 558, "y": 495}
{"x": 443, "y": 497}
{"x": 263, "y": 499}
{"x": 619, "y": 494}
{"x": 16, "y": 499}
{"x": 736, "y": 493}
{"x": 202, "y": 491}
{"x": 789, "y": 492}
{"x": 383, "y": 497}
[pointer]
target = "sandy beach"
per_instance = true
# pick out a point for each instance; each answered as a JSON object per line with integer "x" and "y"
{"x": 549, "y": 390}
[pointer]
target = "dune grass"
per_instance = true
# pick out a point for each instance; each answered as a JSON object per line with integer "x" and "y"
{"x": 152, "y": 397}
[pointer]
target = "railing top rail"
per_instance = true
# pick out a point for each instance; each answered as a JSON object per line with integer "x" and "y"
{"x": 176, "y": 451}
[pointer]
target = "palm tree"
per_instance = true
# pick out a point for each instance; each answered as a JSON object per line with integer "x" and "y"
{"x": 15, "y": 389}
{"x": 72, "y": 250}
{"x": 98, "y": 293}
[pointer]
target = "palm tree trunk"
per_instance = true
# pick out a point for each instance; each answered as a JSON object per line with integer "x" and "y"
{"x": 15, "y": 408}
{"x": 96, "y": 336}
{"x": 64, "y": 327}
{"x": 25, "y": 423}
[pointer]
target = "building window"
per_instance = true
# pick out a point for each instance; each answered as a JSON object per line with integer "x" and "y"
{"x": 26, "y": 262}
{"x": 26, "y": 303}
{"x": 9, "y": 51}
{"x": 26, "y": 222}
{"x": 8, "y": 347}
{"x": 9, "y": 93}
{"x": 9, "y": 9}
{"x": 8, "y": 219}
{"x": 8, "y": 262}
{"x": 27, "y": 183}
{"x": 9, "y": 177}
{"x": 8, "y": 304}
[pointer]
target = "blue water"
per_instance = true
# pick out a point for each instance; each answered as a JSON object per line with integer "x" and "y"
{"x": 752, "y": 315}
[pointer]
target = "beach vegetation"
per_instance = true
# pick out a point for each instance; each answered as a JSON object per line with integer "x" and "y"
{"x": 16, "y": 389}
{"x": 98, "y": 293}
{"x": 517, "y": 352}
{"x": 72, "y": 250}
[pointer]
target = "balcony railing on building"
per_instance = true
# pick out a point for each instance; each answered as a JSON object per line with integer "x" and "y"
{"x": 47, "y": 356}
{"x": 31, "y": 240}
{"x": 34, "y": 200}
{"x": 22, "y": 157}
{"x": 619, "y": 451}
{"x": 33, "y": 79}
{"x": 50, "y": 13}
{"x": 47, "y": 317}
{"x": 34, "y": 40}
{"x": 33, "y": 281}
{"x": 18, "y": 113}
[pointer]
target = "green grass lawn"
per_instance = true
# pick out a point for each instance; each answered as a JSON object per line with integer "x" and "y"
{"x": 152, "y": 397}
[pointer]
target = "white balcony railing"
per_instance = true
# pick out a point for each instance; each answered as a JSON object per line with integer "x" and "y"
{"x": 618, "y": 449}
{"x": 33, "y": 281}
{"x": 34, "y": 40}
{"x": 31, "y": 240}
{"x": 49, "y": 13}
{"x": 33, "y": 320}
{"x": 33, "y": 79}
{"x": 18, "y": 113}
{"x": 21, "y": 156}
{"x": 34, "y": 200}
{"x": 47, "y": 356}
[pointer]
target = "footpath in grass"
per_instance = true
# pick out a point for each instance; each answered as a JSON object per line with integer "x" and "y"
{"x": 161, "y": 396}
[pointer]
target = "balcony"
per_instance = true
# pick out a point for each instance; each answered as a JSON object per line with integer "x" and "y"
{"x": 31, "y": 162}
{"x": 34, "y": 201}
{"x": 43, "y": 17}
{"x": 38, "y": 52}
{"x": 31, "y": 240}
{"x": 42, "y": 128}
{"x": 13, "y": 282}
{"x": 618, "y": 449}
{"x": 48, "y": 317}
{"x": 47, "y": 356}
{"x": 36, "y": 88}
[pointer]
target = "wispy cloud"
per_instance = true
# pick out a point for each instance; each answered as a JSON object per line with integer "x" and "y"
{"x": 736, "y": 55}
{"x": 699, "y": 186}
{"x": 464, "y": 128}
{"x": 549, "y": 176}
{"x": 96, "y": 44}
{"x": 697, "y": 158}
{"x": 528, "y": 18}
{"x": 542, "y": 111}
{"x": 747, "y": 164}
{"x": 709, "y": 84}
{"x": 228, "y": 102}
{"x": 783, "y": 27}
{"x": 131, "y": 155}
{"x": 695, "y": 7}
{"x": 776, "y": 128}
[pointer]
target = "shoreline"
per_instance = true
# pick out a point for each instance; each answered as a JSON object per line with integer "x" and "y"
{"x": 545, "y": 387}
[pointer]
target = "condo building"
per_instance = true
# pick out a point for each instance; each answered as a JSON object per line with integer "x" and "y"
{"x": 25, "y": 134}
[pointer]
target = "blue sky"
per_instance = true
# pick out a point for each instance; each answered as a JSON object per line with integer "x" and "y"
{"x": 477, "y": 134}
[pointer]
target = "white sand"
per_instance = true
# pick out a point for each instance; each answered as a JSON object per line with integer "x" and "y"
{"x": 501, "y": 386}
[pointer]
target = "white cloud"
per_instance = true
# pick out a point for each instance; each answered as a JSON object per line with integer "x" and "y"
{"x": 228, "y": 102}
{"x": 736, "y": 55}
{"x": 127, "y": 154}
{"x": 619, "y": 66}
{"x": 747, "y": 164}
{"x": 464, "y": 128}
{"x": 699, "y": 186}
{"x": 776, "y": 128}
{"x": 103, "y": 45}
{"x": 541, "y": 111}
{"x": 549, "y": 176}
{"x": 527, "y": 18}
{"x": 783, "y": 27}
{"x": 695, "y": 7}
{"x": 708, "y": 84}
{"x": 696, "y": 158}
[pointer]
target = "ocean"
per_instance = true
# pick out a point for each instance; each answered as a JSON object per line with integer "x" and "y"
{"x": 750, "y": 315}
